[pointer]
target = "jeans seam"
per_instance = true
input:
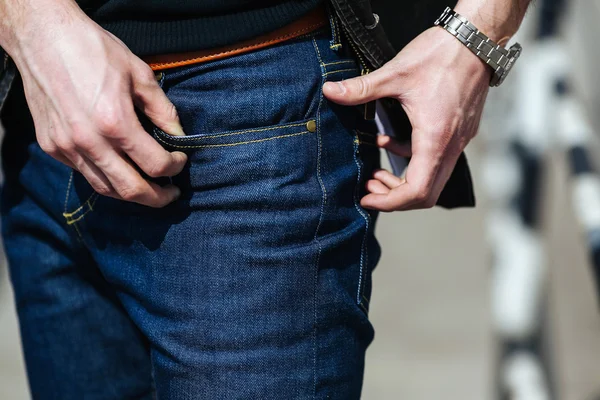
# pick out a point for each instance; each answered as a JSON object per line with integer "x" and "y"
{"x": 90, "y": 207}
{"x": 340, "y": 70}
{"x": 71, "y": 218}
{"x": 81, "y": 207}
{"x": 335, "y": 42}
{"x": 79, "y": 235}
{"x": 202, "y": 146}
{"x": 66, "y": 205}
{"x": 321, "y": 215}
{"x": 255, "y": 130}
{"x": 339, "y": 62}
{"x": 364, "y": 256}
{"x": 68, "y": 191}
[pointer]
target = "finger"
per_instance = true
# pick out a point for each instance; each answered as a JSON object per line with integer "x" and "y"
{"x": 377, "y": 201}
{"x": 96, "y": 178}
{"x": 152, "y": 101}
{"x": 63, "y": 159}
{"x": 444, "y": 173}
{"x": 363, "y": 89}
{"x": 388, "y": 179}
{"x": 374, "y": 186}
{"x": 149, "y": 155}
{"x": 129, "y": 184}
{"x": 393, "y": 145}
{"x": 415, "y": 191}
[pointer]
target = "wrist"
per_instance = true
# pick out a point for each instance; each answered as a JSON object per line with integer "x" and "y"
{"x": 23, "y": 22}
{"x": 460, "y": 58}
{"x": 498, "y": 20}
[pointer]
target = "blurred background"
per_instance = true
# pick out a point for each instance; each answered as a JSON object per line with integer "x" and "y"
{"x": 497, "y": 302}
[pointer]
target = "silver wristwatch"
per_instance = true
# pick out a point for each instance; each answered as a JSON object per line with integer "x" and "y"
{"x": 500, "y": 59}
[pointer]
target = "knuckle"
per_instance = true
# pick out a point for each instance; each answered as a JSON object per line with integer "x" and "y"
{"x": 131, "y": 193}
{"x": 158, "y": 169}
{"x": 48, "y": 146}
{"x": 108, "y": 120}
{"x": 422, "y": 195}
{"x": 81, "y": 138}
{"x": 363, "y": 87}
{"x": 171, "y": 111}
{"x": 146, "y": 75}
{"x": 103, "y": 190}
{"x": 65, "y": 145}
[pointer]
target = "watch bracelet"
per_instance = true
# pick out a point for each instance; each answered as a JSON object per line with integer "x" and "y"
{"x": 491, "y": 53}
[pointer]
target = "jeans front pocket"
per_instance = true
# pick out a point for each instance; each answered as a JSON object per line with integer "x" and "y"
{"x": 235, "y": 138}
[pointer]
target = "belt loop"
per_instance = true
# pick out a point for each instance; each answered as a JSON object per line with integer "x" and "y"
{"x": 335, "y": 43}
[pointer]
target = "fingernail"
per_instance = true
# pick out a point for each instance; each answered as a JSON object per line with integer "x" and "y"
{"x": 336, "y": 88}
{"x": 176, "y": 130}
{"x": 177, "y": 193}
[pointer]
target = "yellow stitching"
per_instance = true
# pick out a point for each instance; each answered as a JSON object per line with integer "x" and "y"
{"x": 341, "y": 70}
{"x": 335, "y": 46}
{"x": 340, "y": 62}
{"x": 364, "y": 254}
{"x": 321, "y": 183}
{"x": 318, "y": 52}
{"x": 365, "y": 299}
{"x": 72, "y": 221}
{"x": 91, "y": 208}
{"x": 78, "y": 233}
{"x": 239, "y": 133}
{"x": 68, "y": 215}
{"x": 68, "y": 189}
{"x": 337, "y": 33}
{"x": 233, "y": 144}
{"x": 321, "y": 211}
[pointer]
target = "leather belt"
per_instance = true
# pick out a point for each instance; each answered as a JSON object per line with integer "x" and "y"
{"x": 306, "y": 24}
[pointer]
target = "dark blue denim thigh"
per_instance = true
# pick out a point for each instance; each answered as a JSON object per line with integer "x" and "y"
{"x": 253, "y": 285}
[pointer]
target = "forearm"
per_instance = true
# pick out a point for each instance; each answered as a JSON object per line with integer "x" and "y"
{"x": 22, "y": 19}
{"x": 498, "y": 19}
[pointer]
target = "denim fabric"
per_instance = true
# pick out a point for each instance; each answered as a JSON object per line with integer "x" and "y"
{"x": 253, "y": 285}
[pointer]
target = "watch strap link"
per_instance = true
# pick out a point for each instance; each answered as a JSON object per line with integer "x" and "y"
{"x": 496, "y": 56}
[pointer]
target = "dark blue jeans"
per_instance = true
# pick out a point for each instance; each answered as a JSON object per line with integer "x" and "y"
{"x": 255, "y": 284}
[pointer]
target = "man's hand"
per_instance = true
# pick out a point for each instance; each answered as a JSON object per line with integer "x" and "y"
{"x": 442, "y": 87}
{"x": 82, "y": 86}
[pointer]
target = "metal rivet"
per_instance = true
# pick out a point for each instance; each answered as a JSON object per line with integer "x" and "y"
{"x": 311, "y": 126}
{"x": 159, "y": 75}
{"x": 372, "y": 26}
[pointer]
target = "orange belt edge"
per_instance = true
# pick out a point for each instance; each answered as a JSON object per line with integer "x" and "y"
{"x": 306, "y": 24}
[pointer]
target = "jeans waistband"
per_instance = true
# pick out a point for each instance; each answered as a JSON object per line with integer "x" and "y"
{"x": 310, "y": 22}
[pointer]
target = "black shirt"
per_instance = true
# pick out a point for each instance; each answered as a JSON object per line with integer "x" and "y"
{"x": 171, "y": 26}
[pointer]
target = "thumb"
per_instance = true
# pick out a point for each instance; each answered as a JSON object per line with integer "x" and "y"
{"x": 361, "y": 89}
{"x": 152, "y": 101}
